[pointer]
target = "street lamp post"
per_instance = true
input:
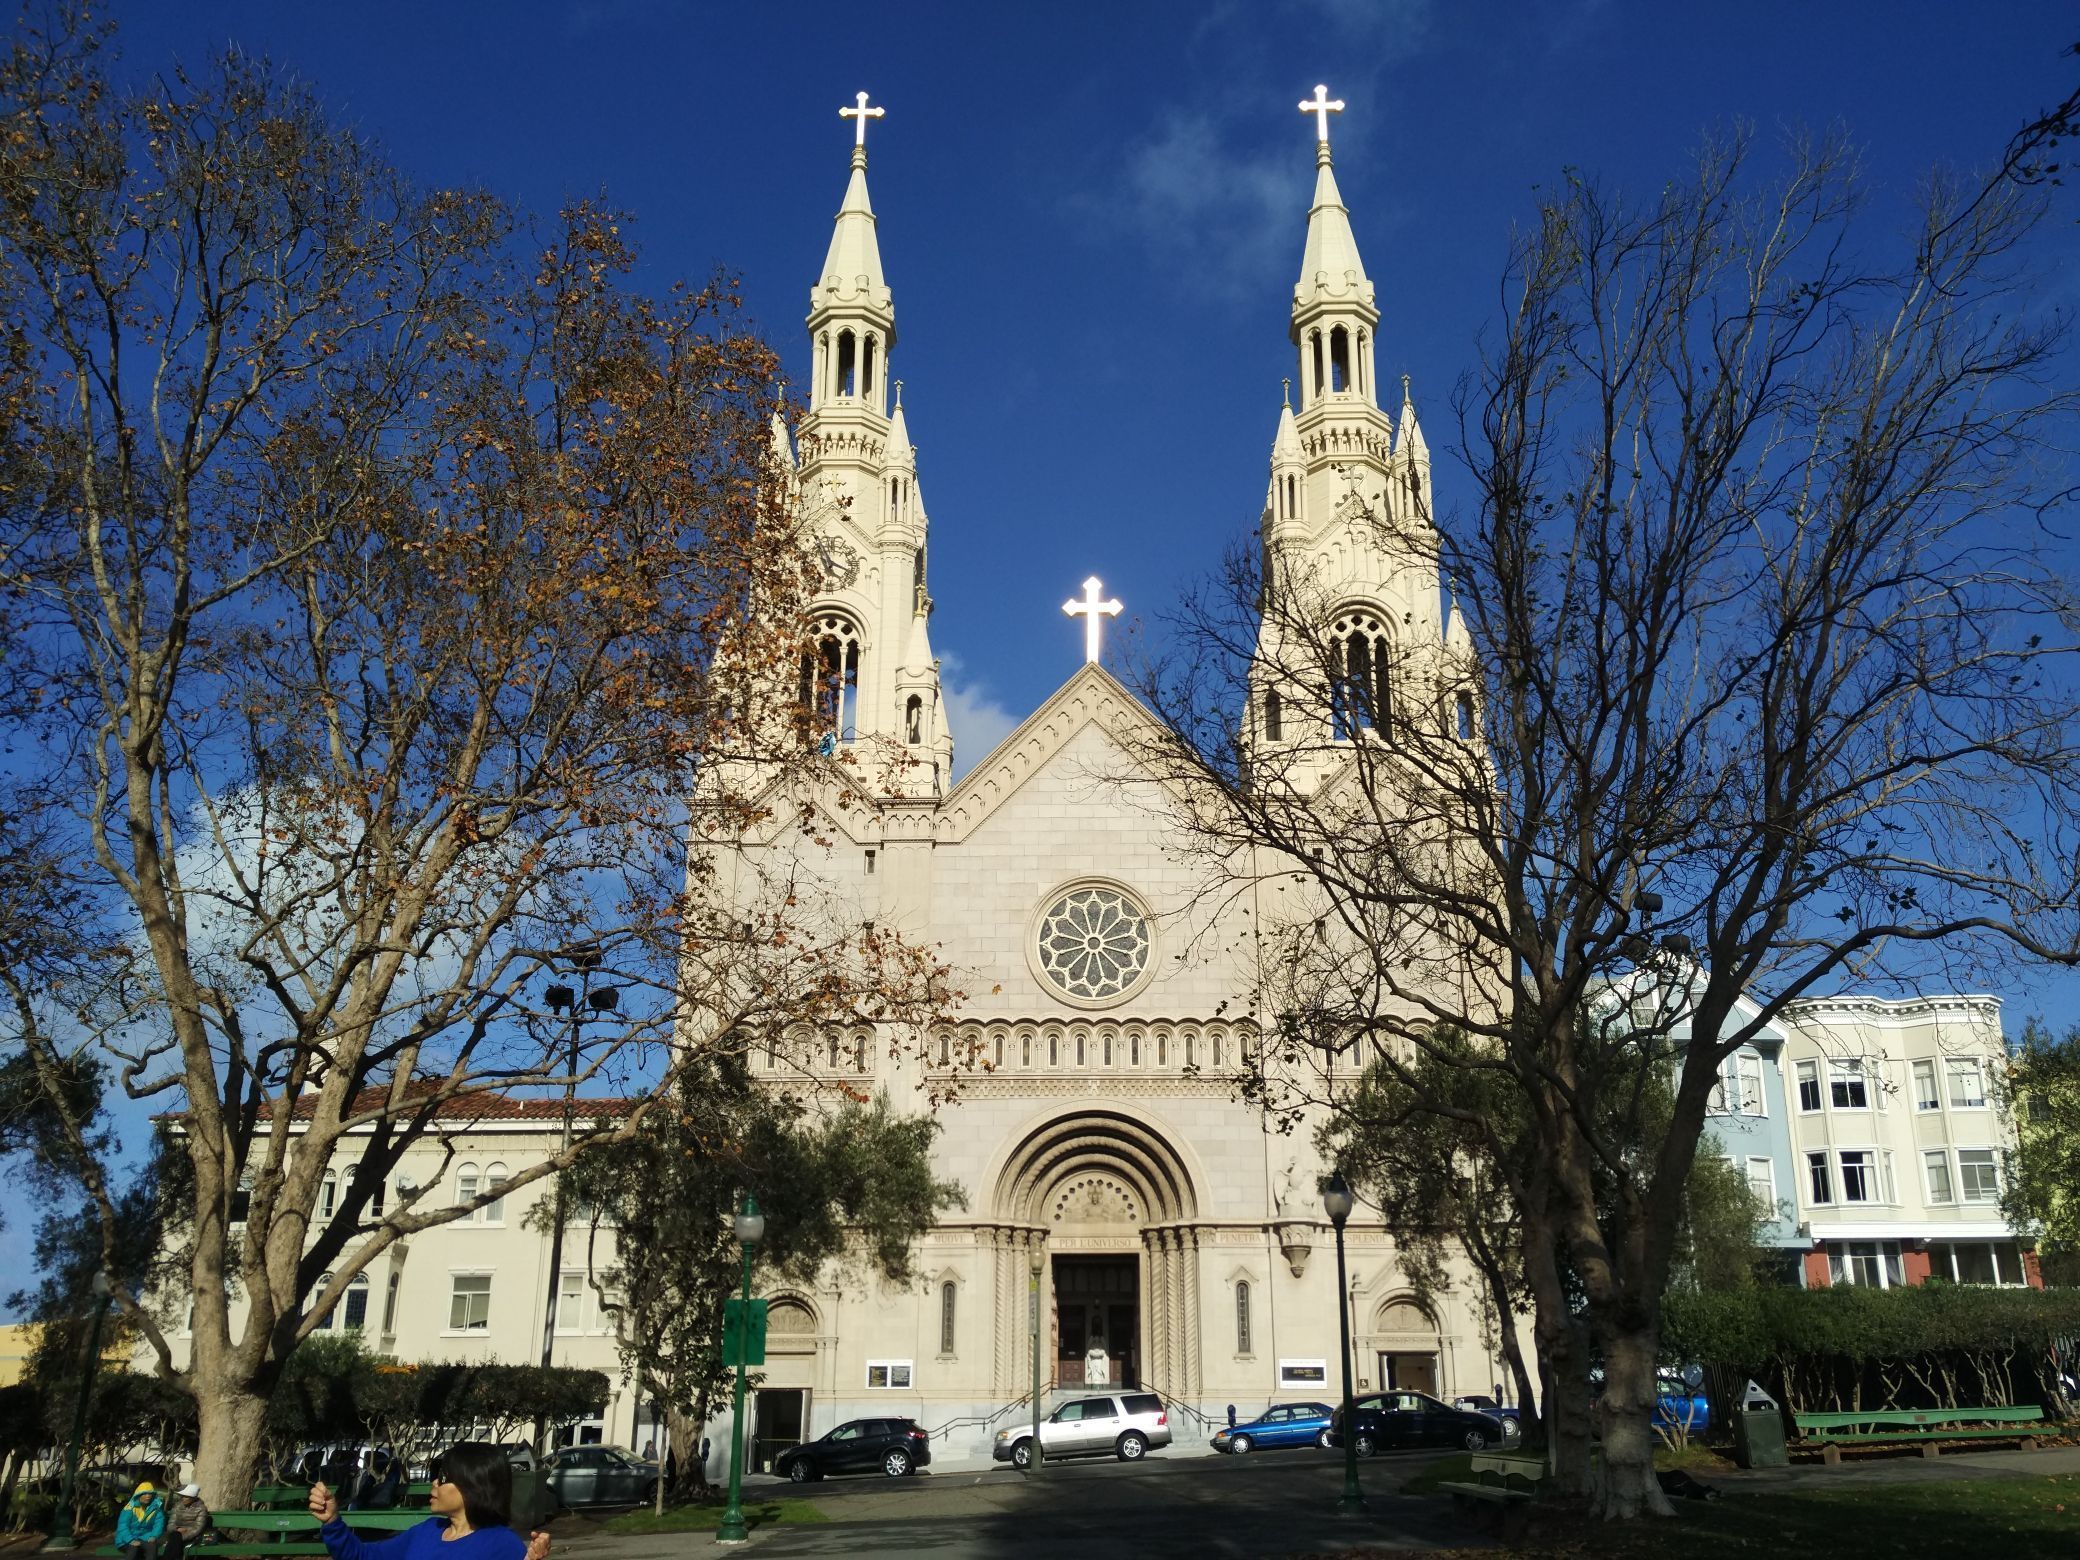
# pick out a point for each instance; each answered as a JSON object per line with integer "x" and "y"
{"x": 1337, "y": 1200}
{"x": 751, "y": 1229}
{"x": 60, "y": 1536}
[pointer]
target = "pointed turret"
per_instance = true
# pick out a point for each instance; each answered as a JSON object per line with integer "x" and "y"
{"x": 1330, "y": 266}
{"x": 852, "y": 265}
{"x": 1408, "y": 438}
{"x": 1285, "y": 505}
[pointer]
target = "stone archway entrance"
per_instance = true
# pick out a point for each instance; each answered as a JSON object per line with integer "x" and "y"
{"x": 1109, "y": 1210}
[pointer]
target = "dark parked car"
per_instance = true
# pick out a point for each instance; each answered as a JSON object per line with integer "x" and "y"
{"x": 1390, "y": 1420}
{"x": 598, "y": 1476}
{"x": 891, "y": 1446}
{"x": 1289, "y": 1424}
{"x": 1511, "y": 1416}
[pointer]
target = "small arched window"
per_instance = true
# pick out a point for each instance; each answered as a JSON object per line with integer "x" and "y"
{"x": 1134, "y": 1049}
{"x": 1242, "y": 1316}
{"x": 390, "y": 1303}
{"x": 846, "y": 381}
{"x": 328, "y": 1194}
{"x": 866, "y": 378}
{"x": 356, "y": 1317}
{"x": 325, "y": 1321}
{"x": 859, "y": 1052}
{"x": 1025, "y": 1046}
{"x": 834, "y": 1053}
{"x": 1216, "y": 1049}
{"x": 946, "y": 1305}
{"x": 494, "y": 1181}
{"x": 1463, "y": 716}
{"x": 1314, "y": 339}
{"x": 1054, "y": 1050}
{"x": 1339, "y": 359}
{"x": 1079, "y": 1048}
{"x": 913, "y": 720}
{"x": 1163, "y": 1050}
{"x": 1274, "y": 716}
{"x": 1191, "y": 1052}
{"x": 467, "y": 1179}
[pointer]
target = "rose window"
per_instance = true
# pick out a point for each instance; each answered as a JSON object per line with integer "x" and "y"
{"x": 1094, "y": 943}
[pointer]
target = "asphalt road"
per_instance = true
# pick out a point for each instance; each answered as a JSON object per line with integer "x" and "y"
{"x": 1270, "y": 1504}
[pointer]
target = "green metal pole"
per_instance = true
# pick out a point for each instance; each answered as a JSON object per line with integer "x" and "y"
{"x": 60, "y": 1536}
{"x": 1352, "y": 1499}
{"x": 732, "y": 1530}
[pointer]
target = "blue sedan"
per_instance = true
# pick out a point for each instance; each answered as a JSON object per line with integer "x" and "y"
{"x": 1289, "y": 1424}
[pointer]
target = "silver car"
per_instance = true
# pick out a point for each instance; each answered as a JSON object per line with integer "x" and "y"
{"x": 599, "y": 1476}
{"x": 1124, "y": 1424}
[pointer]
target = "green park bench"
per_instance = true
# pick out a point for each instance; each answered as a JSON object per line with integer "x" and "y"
{"x": 281, "y": 1525}
{"x": 1508, "y": 1481}
{"x": 1925, "y": 1427}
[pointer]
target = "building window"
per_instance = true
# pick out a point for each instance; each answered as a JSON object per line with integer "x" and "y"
{"x": 328, "y": 1194}
{"x": 1875, "y": 1264}
{"x": 1978, "y": 1175}
{"x": 466, "y": 1186}
{"x": 469, "y": 1303}
{"x": 570, "y": 1303}
{"x": 375, "y": 1196}
{"x": 1935, "y": 1170}
{"x": 1847, "y": 1087}
{"x": 356, "y": 1317}
{"x": 390, "y": 1303}
{"x": 1242, "y": 1317}
{"x": 1978, "y": 1262}
{"x": 888, "y": 1373}
{"x": 1762, "y": 1181}
{"x": 1808, "y": 1085}
{"x": 495, "y": 1180}
{"x": 830, "y": 677}
{"x": 1463, "y": 709}
{"x": 325, "y": 1321}
{"x": 1274, "y": 717}
{"x": 1967, "y": 1084}
{"x": 1859, "y": 1175}
{"x": 1820, "y": 1188}
{"x": 1094, "y": 943}
{"x": 947, "y": 1302}
{"x": 1925, "y": 1097}
{"x": 1361, "y": 660}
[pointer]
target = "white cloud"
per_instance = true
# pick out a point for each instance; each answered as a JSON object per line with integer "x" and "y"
{"x": 1225, "y": 216}
{"x": 978, "y": 722}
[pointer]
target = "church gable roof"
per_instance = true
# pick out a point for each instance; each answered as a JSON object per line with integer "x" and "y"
{"x": 1093, "y": 697}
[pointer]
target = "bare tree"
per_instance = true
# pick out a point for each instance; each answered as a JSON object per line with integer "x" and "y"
{"x": 1755, "y": 622}
{"x": 384, "y": 579}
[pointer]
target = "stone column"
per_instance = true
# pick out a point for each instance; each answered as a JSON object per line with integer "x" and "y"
{"x": 1158, "y": 1322}
{"x": 1180, "y": 1359}
{"x": 1000, "y": 1320}
{"x": 1189, "y": 1257}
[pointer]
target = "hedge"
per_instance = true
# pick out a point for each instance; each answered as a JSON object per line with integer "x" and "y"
{"x": 1848, "y": 1346}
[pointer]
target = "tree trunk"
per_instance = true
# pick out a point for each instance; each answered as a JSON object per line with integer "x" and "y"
{"x": 1563, "y": 1364}
{"x": 692, "y": 1481}
{"x": 1520, "y": 1372}
{"x": 230, "y": 1424}
{"x": 1627, "y": 1486}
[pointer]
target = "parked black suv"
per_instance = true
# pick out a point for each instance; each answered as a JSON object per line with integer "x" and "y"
{"x": 891, "y": 1446}
{"x": 1388, "y": 1420}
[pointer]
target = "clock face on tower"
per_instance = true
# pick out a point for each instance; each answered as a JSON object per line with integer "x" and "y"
{"x": 840, "y": 562}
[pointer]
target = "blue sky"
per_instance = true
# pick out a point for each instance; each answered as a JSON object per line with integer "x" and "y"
{"x": 1091, "y": 215}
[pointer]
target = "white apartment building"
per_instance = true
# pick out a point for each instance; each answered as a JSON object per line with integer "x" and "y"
{"x": 1899, "y": 1141}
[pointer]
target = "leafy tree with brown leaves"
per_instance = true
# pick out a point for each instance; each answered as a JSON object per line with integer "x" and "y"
{"x": 383, "y": 577}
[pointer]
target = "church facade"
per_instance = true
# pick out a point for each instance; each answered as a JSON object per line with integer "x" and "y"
{"x": 1170, "y": 1239}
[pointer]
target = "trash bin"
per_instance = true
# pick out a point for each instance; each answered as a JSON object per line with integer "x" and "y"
{"x": 1758, "y": 1431}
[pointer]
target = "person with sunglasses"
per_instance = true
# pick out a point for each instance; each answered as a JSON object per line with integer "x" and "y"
{"x": 471, "y": 1501}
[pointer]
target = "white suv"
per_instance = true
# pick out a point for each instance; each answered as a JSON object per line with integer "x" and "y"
{"x": 1125, "y": 1424}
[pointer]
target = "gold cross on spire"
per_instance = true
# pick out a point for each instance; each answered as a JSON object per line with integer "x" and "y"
{"x": 862, "y": 113}
{"x": 1322, "y": 106}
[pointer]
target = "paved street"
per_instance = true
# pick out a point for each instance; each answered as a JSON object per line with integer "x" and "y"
{"x": 1270, "y": 1504}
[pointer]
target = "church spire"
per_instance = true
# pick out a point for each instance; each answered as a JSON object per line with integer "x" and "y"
{"x": 1334, "y": 317}
{"x": 852, "y": 313}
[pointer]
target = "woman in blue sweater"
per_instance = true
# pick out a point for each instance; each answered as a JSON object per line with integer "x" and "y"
{"x": 472, "y": 1501}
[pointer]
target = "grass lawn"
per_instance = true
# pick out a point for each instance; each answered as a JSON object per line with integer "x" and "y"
{"x": 2024, "y": 1517}
{"x": 704, "y": 1519}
